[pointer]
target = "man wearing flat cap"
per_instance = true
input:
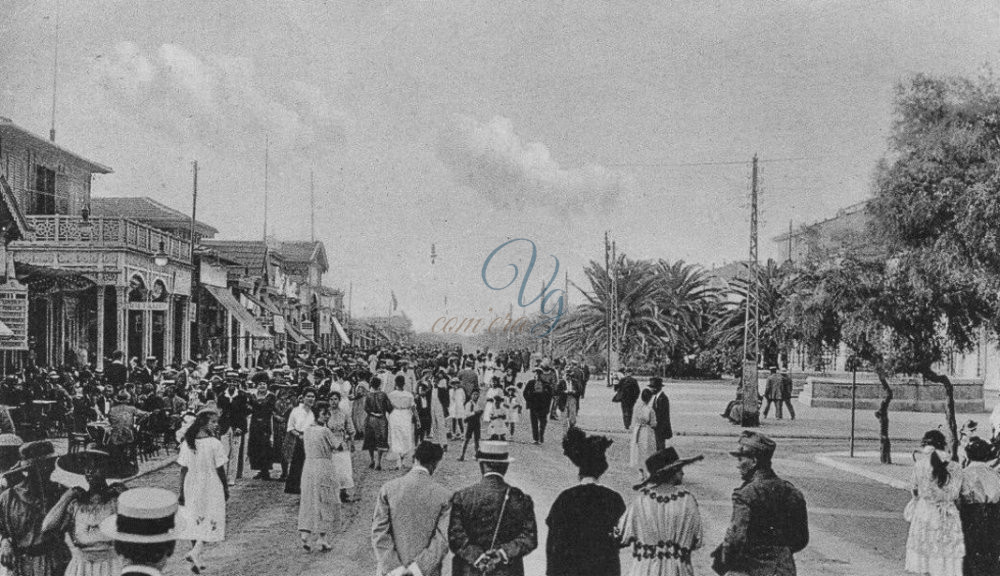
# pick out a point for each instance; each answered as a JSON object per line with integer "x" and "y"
{"x": 769, "y": 522}
{"x": 25, "y": 550}
{"x": 492, "y": 525}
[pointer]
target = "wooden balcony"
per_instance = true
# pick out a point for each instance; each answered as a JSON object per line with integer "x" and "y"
{"x": 60, "y": 231}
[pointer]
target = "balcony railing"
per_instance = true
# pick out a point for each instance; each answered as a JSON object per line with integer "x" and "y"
{"x": 114, "y": 233}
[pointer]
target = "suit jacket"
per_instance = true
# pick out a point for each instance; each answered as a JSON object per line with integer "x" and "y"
{"x": 661, "y": 407}
{"x": 474, "y": 514}
{"x": 629, "y": 389}
{"x": 115, "y": 375}
{"x": 411, "y": 524}
{"x": 233, "y": 413}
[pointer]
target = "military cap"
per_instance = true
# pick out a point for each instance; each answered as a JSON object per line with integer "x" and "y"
{"x": 753, "y": 444}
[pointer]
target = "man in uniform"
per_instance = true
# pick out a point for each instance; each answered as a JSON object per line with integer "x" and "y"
{"x": 769, "y": 522}
{"x": 492, "y": 523}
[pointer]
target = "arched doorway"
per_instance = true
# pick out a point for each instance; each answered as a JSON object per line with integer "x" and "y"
{"x": 137, "y": 292}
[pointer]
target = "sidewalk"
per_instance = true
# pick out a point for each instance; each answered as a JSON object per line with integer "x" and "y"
{"x": 867, "y": 464}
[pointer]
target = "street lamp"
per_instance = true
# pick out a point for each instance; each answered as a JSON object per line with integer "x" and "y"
{"x": 160, "y": 258}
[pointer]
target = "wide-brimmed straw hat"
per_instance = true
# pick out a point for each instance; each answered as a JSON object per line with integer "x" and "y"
{"x": 33, "y": 454}
{"x": 145, "y": 516}
{"x": 71, "y": 468}
{"x": 664, "y": 464}
{"x": 496, "y": 451}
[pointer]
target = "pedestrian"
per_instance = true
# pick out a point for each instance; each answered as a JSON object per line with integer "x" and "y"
{"x": 660, "y": 405}
{"x": 24, "y": 548}
{"x": 319, "y": 503}
{"x": 377, "y": 409}
{"x": 401, "y": 421}
{"x": 642, "y": 437}
{"x": 492, "y": 524}
{"x": 663, "y": 523}
{"x": 980, "y": 511}
{"x": 456, "y": 410}
{"x": 769, "y": 522}
{"x": 473, "y": 424}
{"x": 573, "y": 392}
{"x": 410, "y": 524}
{"x": 582, "y": 520}
{"x": 627, "y": 395}
{"x": 299, "y": 420}
{"x": 786, "y": 392}
{"x": 935, "y": 544}
{"x": 234, "y": 408}
{"x": 538, "y": 398}
{"x": 772, "y": 393}
{"x": 359, "y": 392}
{"x": 423, "y": 403}
{"x": 439, "y": 411}
{"x": 512, "y": 405}
{"x": 80, "y": 511}
{"x": 203, "y": 486}
{"x": 259, "y": 449}
{"x": 145, "y": 530}
{"x": 995, "y": 422}
{"x": 283, "y": 443}
{"x": 342, "y": 426}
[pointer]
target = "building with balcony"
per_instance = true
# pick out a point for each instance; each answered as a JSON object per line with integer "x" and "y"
{"x": 94, "y": 283}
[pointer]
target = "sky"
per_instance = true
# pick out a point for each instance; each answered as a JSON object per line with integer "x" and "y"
{"x": 462, "y": 125}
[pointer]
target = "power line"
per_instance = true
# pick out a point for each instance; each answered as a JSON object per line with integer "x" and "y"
{"x": 721, "y": 162}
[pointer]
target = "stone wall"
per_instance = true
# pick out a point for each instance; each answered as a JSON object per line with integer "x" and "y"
{"x": 910, "y": 393}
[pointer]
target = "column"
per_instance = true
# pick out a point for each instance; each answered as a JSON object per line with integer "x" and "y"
{"x": 229, "y": 339}
{"x": 50, "y": 328}
{"x": 168, "y": 331}
{"x": 123, "y": 321}
{"x": 147, "y": 335}
{"x": 100, "y": 326}
{"x": 186, "y": 330}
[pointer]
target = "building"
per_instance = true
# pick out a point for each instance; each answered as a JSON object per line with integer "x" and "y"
{"x": 90, "y": 283}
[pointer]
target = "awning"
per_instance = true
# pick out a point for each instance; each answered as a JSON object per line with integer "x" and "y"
{"x": 340, "y": 331}
{"x": 263, "y": 304}
{"x": 297, "y": 336}
{"x": 225, "y": 297}
{"x": 5, "y": 330}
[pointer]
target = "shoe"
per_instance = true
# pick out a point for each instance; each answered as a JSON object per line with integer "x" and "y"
{"x": 371, "y": 465}
{"x": 461, "y": 458}
{"x": 535, "y": 442}
{"x": 379, "y": 467}
{"x": 324, "y": 546}
{"x": 305, "y": 542}
{"x": 231, "y": 483}
{"x": 262, "y": 476}
{"x": 196, "y": 567}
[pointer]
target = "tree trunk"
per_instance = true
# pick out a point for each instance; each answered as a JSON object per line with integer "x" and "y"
{"x": 949, "y": 407}
{"x": 885, "y": 446}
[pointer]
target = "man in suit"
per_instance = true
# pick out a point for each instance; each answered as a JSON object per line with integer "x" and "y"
{"x": 786, "y": 393}
{"x": 772, "y": 392}
{"x": 575, "y": 383}
{"x": 492, "y": 523}
{"x": 410, "y": 527}
{"x": 115, "y": 374}
{"x": 538, "y": 398}
{"x": 661, "y": 407}
{"x": 234, "y": 409}
{"x": 628, "y": 394}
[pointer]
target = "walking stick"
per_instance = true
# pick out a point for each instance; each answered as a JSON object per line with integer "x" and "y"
{"x": 496, "y": 531}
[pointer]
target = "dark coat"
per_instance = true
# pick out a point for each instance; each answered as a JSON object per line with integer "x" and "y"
{"x": 233, "y": 413}
{"x": 260, "y": 448}
{"x": 786, "y": 387}
{"x": 773, "y": 389}
{"x": 661, "y": 407}
{"x": 581, "y": 525}
{"x": 537, "y": 396}
{"x": 628, "y": 388}
{"x": 115, "y": 375}
{"x": 769, "y": 524}
{"x": 475, "y": 512}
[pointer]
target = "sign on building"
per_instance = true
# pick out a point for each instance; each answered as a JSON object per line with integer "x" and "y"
{"x": 14, "y": 315}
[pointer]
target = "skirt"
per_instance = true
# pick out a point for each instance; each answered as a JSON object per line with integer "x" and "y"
{"x": 343, "y": 469}
{"x": 319, "y": 505}
{"x": 294, "y": 479}
{"x": 401, "y": 432}
{"x": 376, "y": 433}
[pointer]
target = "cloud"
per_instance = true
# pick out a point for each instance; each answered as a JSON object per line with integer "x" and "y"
{"x": 218, "y": 101}
{"x": 492, "y": 159}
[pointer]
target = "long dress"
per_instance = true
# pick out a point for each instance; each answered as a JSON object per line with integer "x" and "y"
{"x": 642, "y": 437}
{"x": 663, "y": 527}
{"x": 581, "y": 525}
{"x": 259, "y": 447}
{"x": 401, "y": 422}
{"x": 319, "y": 503}
{"x": 980, "y": 512}
{"x": 358, "y": 415}
{"x": 300, "y": 418}
{"x": 456, "y": 404}
{"x": 439, "y": 427}
{"x": 377, "y": 409}
{"x": 935, "y": 544}
{"x": 204, "y": 495}
{"x": 342, "y": 426}
{"x": 93, "y": 552}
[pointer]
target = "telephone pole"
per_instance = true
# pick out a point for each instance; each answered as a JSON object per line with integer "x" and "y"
{"x": 55, "y": 77}
{"x": 312, "y": 208}
{"x": 751, "y": 327}
{"x": 266, "y": 150}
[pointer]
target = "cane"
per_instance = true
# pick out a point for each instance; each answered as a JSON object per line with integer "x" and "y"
{"x": 496, "y": 532}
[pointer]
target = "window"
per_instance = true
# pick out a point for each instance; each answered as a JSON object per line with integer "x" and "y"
{"x": 44, "y": 201}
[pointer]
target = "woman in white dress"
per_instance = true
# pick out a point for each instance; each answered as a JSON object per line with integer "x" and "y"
{"x": 662, "y": 525}
{"x": 456, "y": 410}
{"x": 642, "y": 437}
{"x": 204, "y": 490}
{"x": 439, "y": 412}
{"x": 401, "y": 421}
{"x": 935, "y": 544}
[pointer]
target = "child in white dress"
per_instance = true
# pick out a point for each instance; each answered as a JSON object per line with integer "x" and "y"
{"x": 495, "y": 419}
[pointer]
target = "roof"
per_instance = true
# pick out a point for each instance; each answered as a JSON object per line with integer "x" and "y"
{"x": 7, "y": 127}
{"x": 301, "y": 251}
{"x": 730, "y": 271}
{"x": 144, "y": 209}
{"x": 246, "y": 253}
{"x": 327, "y": 291}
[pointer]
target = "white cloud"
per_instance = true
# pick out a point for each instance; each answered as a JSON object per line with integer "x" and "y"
{"x": 218, "y": 101}
{"x": 492, "y": 159}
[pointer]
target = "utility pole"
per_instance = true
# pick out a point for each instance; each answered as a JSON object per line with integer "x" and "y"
{"x": 751, "y": 328}
{"x": 266, "y": 147}
{"x": 789, "y": 240}
{"x": 312, "y": 208}
{"x": 610, "y": 304}
{"x": 196, "y": 272}
{"x": 55, "y": 75}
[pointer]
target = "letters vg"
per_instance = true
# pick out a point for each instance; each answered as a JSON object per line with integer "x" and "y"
{"x": 550, "y": 314}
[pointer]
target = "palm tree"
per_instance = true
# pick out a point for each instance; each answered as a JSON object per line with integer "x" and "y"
{"x": 689, "y": 305}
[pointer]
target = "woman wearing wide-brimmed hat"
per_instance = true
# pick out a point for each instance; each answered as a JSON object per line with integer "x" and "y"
{"x": 662, "y": 525}
{"x": 583, "y": 518}
{"x": 81, "y": 510}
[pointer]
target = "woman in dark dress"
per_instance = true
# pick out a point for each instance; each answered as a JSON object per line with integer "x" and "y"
{"x": 423, "y": 400}
{"x": 377, "y": 409}
{"x": 583, "y": 518}
{"x": 260, "y": 449}
{"x": 980, "y": 511}
{"x": 282, "y": 408}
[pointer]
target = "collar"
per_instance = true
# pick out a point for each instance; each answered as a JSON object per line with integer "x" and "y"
{"x": 142, "y": 570}
{"x": 497, "y": 475}
{"x": 233, "y": 395}
{"x": 587, "y": 480}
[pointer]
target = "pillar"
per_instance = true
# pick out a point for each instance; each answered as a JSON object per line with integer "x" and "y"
{"x": 147, "y": 335}
{"x": 50, "y": 329}
{"x": 229, "y": 339}
{"x": 168, "y": 331}
{"x": 186, "y": 330}
{"x": 123, "y": 321}
{"x": 100, "y": 326}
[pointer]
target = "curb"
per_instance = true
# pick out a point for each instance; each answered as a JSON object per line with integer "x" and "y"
{"x": 736, "y": 431}
{"x": 826, "y": 460}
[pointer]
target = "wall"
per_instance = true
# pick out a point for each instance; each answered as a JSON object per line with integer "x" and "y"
{"x": 18, "y": 160}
